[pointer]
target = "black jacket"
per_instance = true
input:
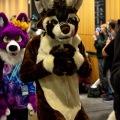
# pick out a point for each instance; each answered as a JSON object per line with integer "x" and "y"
{"x": 115, "y": 72}
{"x": 99, "y": 44}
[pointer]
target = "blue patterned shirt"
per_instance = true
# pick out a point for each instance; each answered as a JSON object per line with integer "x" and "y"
{"x": 16, "y": 96}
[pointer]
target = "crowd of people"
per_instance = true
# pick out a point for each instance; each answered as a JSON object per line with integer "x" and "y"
{"x": 103, "y": 36}
{"x": 106, "y": 42}
{"x": 106, "y": 39}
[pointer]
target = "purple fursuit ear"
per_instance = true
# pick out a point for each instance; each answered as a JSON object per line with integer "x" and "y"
{"x": 22, "y": 17}
{"x": 3, "y": 20}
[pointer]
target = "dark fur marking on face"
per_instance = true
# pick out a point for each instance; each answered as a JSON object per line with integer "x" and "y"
{"x": 61, "y": 13}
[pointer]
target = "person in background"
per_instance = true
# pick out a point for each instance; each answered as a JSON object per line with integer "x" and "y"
{"x": 13, "y": 17}
{"x": 112, "y": 50}
{"x": 115, "y": 72}
{"x": 100, "y": 36}
{"x": 33, "y": 30}
{"x": 112, "y": 28}
{"x": 108, "y": 53}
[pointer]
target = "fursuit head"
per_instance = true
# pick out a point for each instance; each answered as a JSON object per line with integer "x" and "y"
{"x": 59, "y": 18}
{"x": 13, "y": 38}
{"x": 60, "y": 23}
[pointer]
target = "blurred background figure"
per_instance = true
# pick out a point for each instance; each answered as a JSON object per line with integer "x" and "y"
{"x": 33, "y": 30}
{"x": 100, "y": 36}
{"x": 115, "y": 73}
{"x": 112, "y": 28}
{"x": 108, "y": 53}
{"x": 118, "y": 22}
{"x": 13, "y": 17}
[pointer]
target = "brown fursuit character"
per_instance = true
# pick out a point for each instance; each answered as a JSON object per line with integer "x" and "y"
{"x": 55, "y": 60}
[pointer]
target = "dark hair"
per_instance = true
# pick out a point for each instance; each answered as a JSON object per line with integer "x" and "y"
{"x": 112, "y": 24}
{"x": 118, "y": 21}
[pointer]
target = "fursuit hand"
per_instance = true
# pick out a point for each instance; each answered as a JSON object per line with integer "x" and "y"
{"x": 32, "y": 105}
{"x": 7, "y": 113}
{"x": 30, "y": 109}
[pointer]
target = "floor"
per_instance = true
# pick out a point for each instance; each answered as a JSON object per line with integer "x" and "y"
{"x": 95, "y": 108}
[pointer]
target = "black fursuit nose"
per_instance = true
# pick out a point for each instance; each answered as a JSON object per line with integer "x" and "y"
{"x": 13, "y": 48}
{"x": 65, "y": 28}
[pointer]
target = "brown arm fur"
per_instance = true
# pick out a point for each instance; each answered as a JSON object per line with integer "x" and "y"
{"x": 86, "y": 68}
{"x": 31, "y": 71}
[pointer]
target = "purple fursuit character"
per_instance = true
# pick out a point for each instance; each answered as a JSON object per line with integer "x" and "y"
{"x": 16, "y": 98}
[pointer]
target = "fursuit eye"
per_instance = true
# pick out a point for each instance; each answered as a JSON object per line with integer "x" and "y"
{"x": 54, "y": 22}
{"x": 70, "y": 20}
{"x": 6, "y": 39}
{"x": 18, "y": 39}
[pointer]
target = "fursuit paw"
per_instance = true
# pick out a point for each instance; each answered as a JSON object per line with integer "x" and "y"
{"x": 7, "y": 112}
{"x": 64, "y": 63}
{"x": 4, "y": 117}
{"x": 60, "y": 61}
{"x": 65, "y": 50}
{"x": 85, "y": 69}
{"x": 30, "y": 109}
{"x": 32, "y": 105}
{"x": 64, "y": 66}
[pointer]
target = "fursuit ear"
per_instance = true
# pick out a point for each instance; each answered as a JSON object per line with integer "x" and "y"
{"x": 3, "y": 20}
{"x": 22, "y": 17}
{"x": 40, "y": 22}
{"x": 74, "y": 3}
{"x": 77, "y": 4}
{"x": 39, "y": 6}
{"x": 43, "y": 5}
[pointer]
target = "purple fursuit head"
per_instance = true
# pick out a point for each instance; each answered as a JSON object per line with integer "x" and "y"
{"x": 13, "y": 38}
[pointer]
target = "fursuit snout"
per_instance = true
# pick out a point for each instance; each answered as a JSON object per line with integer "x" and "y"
{"x": 65, "y": 28}
{"x": 13, "y": 48}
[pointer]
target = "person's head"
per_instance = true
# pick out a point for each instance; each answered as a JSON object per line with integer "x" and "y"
{"x": 103, "y": 28}
{"x": 112, "y": 25}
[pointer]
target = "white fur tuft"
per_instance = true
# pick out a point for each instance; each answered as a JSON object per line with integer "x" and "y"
{"x": 111, "y": 116}
{"x": 7, "y": 112}
{"x": 10, "y": 59}
{"x": 30, "y": 108}
{"x": 4, "y": 117}
{"x": 78, "y": 58}
{"x": 48, "y": 63}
